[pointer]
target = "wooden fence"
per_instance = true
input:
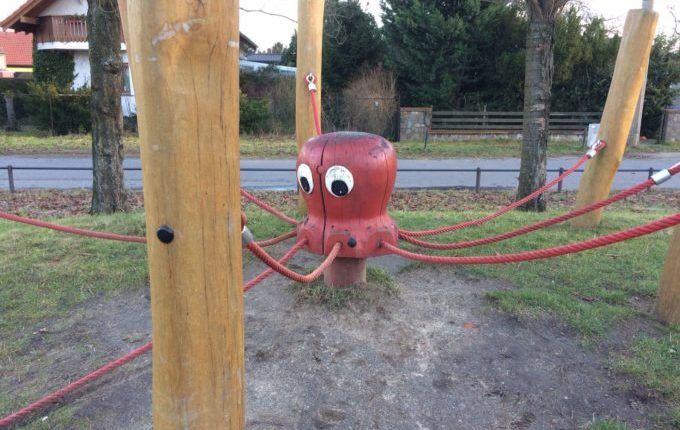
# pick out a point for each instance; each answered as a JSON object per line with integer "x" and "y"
{"x": 465, "y": 122}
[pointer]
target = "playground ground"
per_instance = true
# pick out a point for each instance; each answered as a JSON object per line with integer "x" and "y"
{"x": 566, "y": 343}
{"x": 34, "y": 142}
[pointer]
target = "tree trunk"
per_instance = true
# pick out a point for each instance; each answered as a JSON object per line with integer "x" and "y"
{"x": 11, "y": 114}
{"x": 537, "y": 91}
{"x": 106, "y": 66}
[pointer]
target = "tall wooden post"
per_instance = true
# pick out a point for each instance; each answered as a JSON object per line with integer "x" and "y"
{"x": 668, "y": 302}
{"x": 185, "y": 63}
{"x": 624, "y": 93}
{"x": 309, "y": 57}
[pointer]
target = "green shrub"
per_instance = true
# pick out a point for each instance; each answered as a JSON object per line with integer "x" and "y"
{"x": 255, "y": 116}
{"x": 282, "y": 104}
{"x": 59, "y": 112}
{"x": 13, "y": 87}
{"x": 54, "y": 67}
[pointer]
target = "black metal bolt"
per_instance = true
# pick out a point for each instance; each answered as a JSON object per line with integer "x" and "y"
{"x": 165, "y": 234}
{"x": 352, "y": 242}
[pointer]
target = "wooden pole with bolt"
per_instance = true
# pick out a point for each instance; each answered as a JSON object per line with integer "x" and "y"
{"x": 668, "y": 302}
{"x": 185, "y": 67}
{"x": 624, "y": 93}
{"x": 309, "y": 57}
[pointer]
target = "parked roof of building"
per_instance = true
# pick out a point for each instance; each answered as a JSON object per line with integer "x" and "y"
{"x": 18, "y": 48}
{"x": 265, "y": 58}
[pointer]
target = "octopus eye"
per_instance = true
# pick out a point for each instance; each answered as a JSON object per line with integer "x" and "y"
{"x": 339, "y": 181}
{"x": 305, "y": 179}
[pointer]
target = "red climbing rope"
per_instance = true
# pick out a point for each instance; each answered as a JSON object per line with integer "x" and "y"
{"x": 283, "y": 270}
{"x": 267, "y": 273}
{"x": 533, "y": 227}
{"x": 277, "y": 213}
{"x": 56, "y": 396}
{"x": 72, "y": 230}
{"x": 311, "y": 85}
{"x": 277, "y": 239}
{"x": 656, "y": 179}
{"x": 516, "y": 204}
{"x": 597, "y": 242}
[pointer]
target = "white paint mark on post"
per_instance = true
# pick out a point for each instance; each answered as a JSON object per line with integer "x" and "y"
{"x": 166, "y": 33}
{"x": 170, "y": 31}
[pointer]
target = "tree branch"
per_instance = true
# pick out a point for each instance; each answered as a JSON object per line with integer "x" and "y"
{"x": 269, "y": 13}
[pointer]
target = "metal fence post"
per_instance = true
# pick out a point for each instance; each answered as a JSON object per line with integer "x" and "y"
{"x": 559, "y": 185}
{"x": 478, "y": 181}
{"x": 10, "y": 178}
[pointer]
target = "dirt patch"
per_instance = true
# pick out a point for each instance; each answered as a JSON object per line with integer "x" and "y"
{"x": 77, "y": 202}
{"x": 436, "y": 356}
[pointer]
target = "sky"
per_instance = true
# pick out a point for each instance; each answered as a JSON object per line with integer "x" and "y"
{"x": 267, "y": 30}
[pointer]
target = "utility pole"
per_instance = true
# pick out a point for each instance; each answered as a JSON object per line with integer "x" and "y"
{"x": 184, "y": 57}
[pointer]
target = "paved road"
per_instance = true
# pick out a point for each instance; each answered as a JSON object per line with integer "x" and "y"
{"x": 285, "y": 180}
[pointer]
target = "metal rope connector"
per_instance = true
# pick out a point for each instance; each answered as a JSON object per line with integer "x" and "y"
{"x": 664, "y": 175}
{"x": 595, "y": 149}
{"x": 311, "y": 82}
{"x": 661, "y": 176}
{"x": 246, "y": 237}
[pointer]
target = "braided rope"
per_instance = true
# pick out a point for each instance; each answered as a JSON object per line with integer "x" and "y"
{"x": 506, "y": 209}
{"x": 70, "y": 388}
{"x": 277, "y": 213}
{"x": 530, "y": 228}
{"x": 267, "y": 273}
{"x": 283, "y": 270}
{"x": 597, "y": 242}
{"x": 72, "y": 230}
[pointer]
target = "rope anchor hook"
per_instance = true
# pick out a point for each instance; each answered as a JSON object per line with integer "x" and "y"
{"x": 311, "y": 82}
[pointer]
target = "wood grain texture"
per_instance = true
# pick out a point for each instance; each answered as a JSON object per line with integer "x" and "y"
{"x": 309, "y": 57}
{"x": 345, "y": 272}
{"x": 668, "y": 302}
{"x": 184, "y": 56}
{"x": 629, "y": 73}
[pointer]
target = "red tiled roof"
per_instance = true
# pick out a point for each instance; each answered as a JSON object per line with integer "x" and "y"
{"x": 18, "y": 47}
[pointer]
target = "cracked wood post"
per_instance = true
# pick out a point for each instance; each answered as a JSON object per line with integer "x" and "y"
{"x": 668, "y": 302}
{"x": 309, "y": 57}
{"x": 185, "y": 63}
{"x": 624, "y": 93}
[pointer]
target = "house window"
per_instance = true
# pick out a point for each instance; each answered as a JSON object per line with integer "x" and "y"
{"x": 127, "y": 86}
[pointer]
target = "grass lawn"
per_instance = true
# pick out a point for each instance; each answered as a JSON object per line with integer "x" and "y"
{"x": 285, "y": 147}
{"x": 46, "y": 274}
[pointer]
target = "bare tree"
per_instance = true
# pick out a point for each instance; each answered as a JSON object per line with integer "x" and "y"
{"x": 106, "y": 66}
{"x": 538, "y": 77}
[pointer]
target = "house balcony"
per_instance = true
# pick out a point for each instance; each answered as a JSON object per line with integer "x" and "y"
{"x": 61, "y": 32}
{"x": 61, "y": 29}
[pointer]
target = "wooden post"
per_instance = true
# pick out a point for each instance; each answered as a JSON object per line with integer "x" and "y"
{"x": 10, "y": 178}
{"x": 636, "y": 126}
{"x": 345, "y": 272}
{"x": 624, "y": 93}
{"x": 309, "y": 55}
{"x": 185, "y": 63}
{"x": 668, "y": 302}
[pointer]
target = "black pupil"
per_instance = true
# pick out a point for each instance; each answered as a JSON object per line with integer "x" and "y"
{"x": 339, "y": 188}
{"x": 304, "y": 183}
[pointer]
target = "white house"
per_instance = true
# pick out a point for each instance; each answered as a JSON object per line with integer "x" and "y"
{"x": 60, "y": 25}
